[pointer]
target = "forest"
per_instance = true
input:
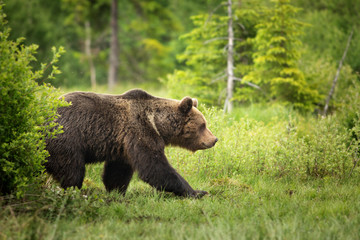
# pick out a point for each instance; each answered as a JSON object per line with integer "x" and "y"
{"x": 183, "y": 45}
{"x": 277, "y": 81}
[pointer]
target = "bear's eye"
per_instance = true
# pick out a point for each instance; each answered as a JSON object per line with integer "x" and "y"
{"x": 202, "y": 127}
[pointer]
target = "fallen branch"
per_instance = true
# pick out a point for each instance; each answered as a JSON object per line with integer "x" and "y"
{"x": 332, "y": 90}
{"x": 248, "y": 83}
{"x": 253, "y": 85}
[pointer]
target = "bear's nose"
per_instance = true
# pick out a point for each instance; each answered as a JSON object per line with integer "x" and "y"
{"x": 216, "y": 139}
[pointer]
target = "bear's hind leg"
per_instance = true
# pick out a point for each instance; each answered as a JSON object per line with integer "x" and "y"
{"x": 74, "y": 178}
{"x": 69, "y": 173}
{"x": 117, "y": 175}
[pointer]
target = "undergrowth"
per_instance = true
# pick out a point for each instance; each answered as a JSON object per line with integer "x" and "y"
{"x": 288, "y": 147}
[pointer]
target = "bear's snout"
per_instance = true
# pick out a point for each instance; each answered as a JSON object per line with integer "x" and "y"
{"x": 211, "y": 143}
{"x": 215, "y": 141}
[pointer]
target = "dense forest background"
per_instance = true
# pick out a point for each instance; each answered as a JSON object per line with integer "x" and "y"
{"x": 182, "y": 45}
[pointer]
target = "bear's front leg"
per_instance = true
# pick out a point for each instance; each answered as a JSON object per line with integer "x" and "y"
{"x": 154, "y": 168}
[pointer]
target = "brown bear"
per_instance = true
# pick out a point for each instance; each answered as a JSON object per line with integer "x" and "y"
{"x": 129, "y": 133}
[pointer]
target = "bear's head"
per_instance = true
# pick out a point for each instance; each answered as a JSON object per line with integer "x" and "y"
{"x": 194, "y": 133}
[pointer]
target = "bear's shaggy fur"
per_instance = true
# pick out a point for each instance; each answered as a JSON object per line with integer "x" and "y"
{"x": 129, "y": 132}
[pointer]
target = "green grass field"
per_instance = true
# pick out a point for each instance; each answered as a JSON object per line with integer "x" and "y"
{"x": 237, "y": 208}
{"x": 273, "y": 175}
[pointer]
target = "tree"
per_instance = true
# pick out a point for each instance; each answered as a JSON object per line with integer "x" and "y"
{"x": 217, "y": 53}
{"x": 79, "y": 15}
{"x": 89, "y": 54}
{"x": 230, "y": 61}
{"x": 277, "y": 51}
{"x": 27, "y": 112}
{"x": 148, "y": 44}
{"x": 114, "y": 46}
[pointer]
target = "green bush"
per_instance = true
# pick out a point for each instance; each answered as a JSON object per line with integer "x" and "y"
{"x": 26, "y": 113}
{"x": 349, "y": 110}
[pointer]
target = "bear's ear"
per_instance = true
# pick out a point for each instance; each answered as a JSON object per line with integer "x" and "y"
{"x": 185, "y": 105}
{"x": 195, "y": 102}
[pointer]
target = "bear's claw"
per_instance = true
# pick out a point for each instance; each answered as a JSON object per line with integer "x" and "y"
{"x": 199, "y": 194}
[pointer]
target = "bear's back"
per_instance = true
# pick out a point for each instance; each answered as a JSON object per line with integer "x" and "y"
{"x": 90, "y": 99}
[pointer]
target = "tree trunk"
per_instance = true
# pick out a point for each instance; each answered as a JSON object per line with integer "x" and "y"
{"x": 332, "y": 90}
{"x": 89, "y": 55}
{"x": 230, "y": 62}
{"x": 114, "y": 46}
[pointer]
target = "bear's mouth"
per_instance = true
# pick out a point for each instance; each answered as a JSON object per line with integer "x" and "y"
{"x": 209, "y": 145}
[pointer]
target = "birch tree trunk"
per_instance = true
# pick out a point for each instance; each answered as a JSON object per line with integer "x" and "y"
{"x": 114, "y": 46}
{"x": 89, "y": 55}
{"x": 230, "y": 62}
{"x": 332, "y": 90}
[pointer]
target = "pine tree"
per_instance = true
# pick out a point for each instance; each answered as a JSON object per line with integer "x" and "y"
{"x": 277, "y": 51}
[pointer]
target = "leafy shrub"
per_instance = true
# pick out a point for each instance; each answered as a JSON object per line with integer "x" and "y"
{"x": 350, "y": 110}
{"x": 327, "y": 151}
{"x": 26, "y": 113}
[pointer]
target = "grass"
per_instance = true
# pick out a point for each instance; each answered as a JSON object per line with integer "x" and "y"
{"x": 272, "y": 175}
{"x": 237, "y": 208}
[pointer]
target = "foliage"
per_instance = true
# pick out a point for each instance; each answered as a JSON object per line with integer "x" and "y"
{"x": 268, "y": 54}
{"x": 148, "y": 35}
{"x": 331, "y": 22}
{"x": 205, "y": 55}
{"x": 26, "y": 112}
{"x": 350, "y": 113}
{"x": 284, "y": 147}
{"x": 149, "y": 43}
{"x": 276, "y": 58}
{"x": 84, "y": 21}
{"x": 322, "y": 80}
{"x": 44, "y": 30}
{"x": 289, "y": 66}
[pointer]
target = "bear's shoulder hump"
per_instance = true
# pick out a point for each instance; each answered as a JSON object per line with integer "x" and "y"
{"x": 137, "y": 94}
